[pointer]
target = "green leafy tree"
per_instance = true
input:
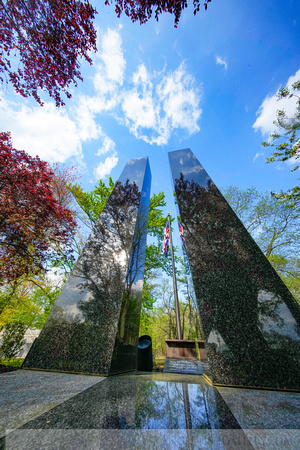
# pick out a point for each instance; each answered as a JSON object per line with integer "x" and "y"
{"x": 274, "y": 225}
{"x": 12, "y": 339}
{"x": 243, "y": 202}
{"x": 289, "y": 270}
{"x": 286, "y": 140}
{"x": 91, "y": 205}
{"x": 160, "y": 321}
{"x": 30, "y": 301}
{"x": 187, "y": 289}
{"x": 29, "y": 298}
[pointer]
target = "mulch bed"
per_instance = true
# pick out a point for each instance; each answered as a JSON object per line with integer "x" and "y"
{"x": 4, "y": 368}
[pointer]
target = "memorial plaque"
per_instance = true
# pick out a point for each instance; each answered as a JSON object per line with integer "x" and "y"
{"x": 93, "y": 327}
{"x": 182, "y": 366}
{"x": 250, "y": 320}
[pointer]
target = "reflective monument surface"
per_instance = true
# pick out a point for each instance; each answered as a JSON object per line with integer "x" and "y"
{"x": 93, "y": 327}
{"x": 166, "y": 411}
{"x": 250, "y": 320}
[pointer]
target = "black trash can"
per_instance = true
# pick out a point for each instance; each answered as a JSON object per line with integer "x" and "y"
{"x": 145, "y": 360}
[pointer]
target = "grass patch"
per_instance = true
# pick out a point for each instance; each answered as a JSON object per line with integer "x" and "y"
{"x": 14, "y": 362}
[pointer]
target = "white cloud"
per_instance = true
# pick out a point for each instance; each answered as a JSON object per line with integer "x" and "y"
{"x": 105, "y": 168}
{"x": 54, "y": 134}
{"x": 180, "y": 100}
{"x": 112, "y": 56}
{"x": 110, "y": 66}
{"x": 257, "y": 155}
{"x": 47, "y": 132}
{"x": 85, "y": 113}
{"x": 222, "y": 62}
{"x": 102, "y": 84}
{"x": 160, "y": 103}
{"x": 108, "y": 145}
{"x": 142, "y": 76}
{"x": 151, "y": 104}
{"x": 267, "y": 110}
{"x": 138, "y": 103}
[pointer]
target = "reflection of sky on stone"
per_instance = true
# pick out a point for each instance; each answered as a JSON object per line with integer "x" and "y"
{"x": 215, "y": 338}
{"x": 185, "y": 161}
{"x": 136, "y": 176}
{"x": 73, "y": 313}
{"x": 287, "y": 326}
{"x": 138, "y": 285}
{"x": 121, "y": 258}
{"x": 171, "y": 396}
{"x": 71, "y": 292}
{"x": 69, "y": 298}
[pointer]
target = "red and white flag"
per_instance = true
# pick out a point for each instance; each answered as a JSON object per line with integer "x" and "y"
{"x": 167, "y": 237}
{"x": 181, "y": 235}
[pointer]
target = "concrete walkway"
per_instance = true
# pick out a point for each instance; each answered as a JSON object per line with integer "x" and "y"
{"x": 26, "y": 394}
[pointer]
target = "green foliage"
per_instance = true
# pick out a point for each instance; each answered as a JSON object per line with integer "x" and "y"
{"x": 289, "y": 271}
{"x": 158, "y": 362}
{"x": 12, "y": 339}
{"x": 286, "y": 141}
{"x": 160, "y": 321}
{"x": 30, "y": 301}
{"x": 156, "y": 220}
{"x": 92, "y": 203}
{"x": 272, "y": 223}
{"x": 155, "y": 259}
{"x": 243, "y": 203}
{"x": 13, "y": 362}
{"x": 145, "y": 320}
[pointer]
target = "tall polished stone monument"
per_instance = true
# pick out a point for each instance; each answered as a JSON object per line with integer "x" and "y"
{"x": 250, "y": 320}
{"x": 94, "y": 325}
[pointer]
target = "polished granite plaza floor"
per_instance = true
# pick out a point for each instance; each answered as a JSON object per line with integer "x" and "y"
{"x": 149, "y": 410}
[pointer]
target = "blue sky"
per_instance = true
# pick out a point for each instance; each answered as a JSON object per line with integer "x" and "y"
{"x": 209, "y": 85}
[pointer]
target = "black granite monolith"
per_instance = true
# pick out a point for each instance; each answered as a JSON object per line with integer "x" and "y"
{"x": 94, "y": 324}
{"x": 250, "y": 320}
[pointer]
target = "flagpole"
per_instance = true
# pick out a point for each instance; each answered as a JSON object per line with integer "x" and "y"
{"x": 179, "y": 334}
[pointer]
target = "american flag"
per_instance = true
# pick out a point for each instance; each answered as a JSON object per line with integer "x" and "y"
{"x": 167, "y": 237}
{"x": 181, "y": 235}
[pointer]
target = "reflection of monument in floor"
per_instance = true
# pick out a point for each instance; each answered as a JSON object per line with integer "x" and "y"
{"x": 146, "y": 411}
{"x": 141, "y": 411}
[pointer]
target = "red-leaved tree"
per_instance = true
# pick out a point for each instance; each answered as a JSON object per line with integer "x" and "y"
{"x": 32, "y": 221}
{"x": 41, "y": 42}
{"x": 142, "y": 10}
